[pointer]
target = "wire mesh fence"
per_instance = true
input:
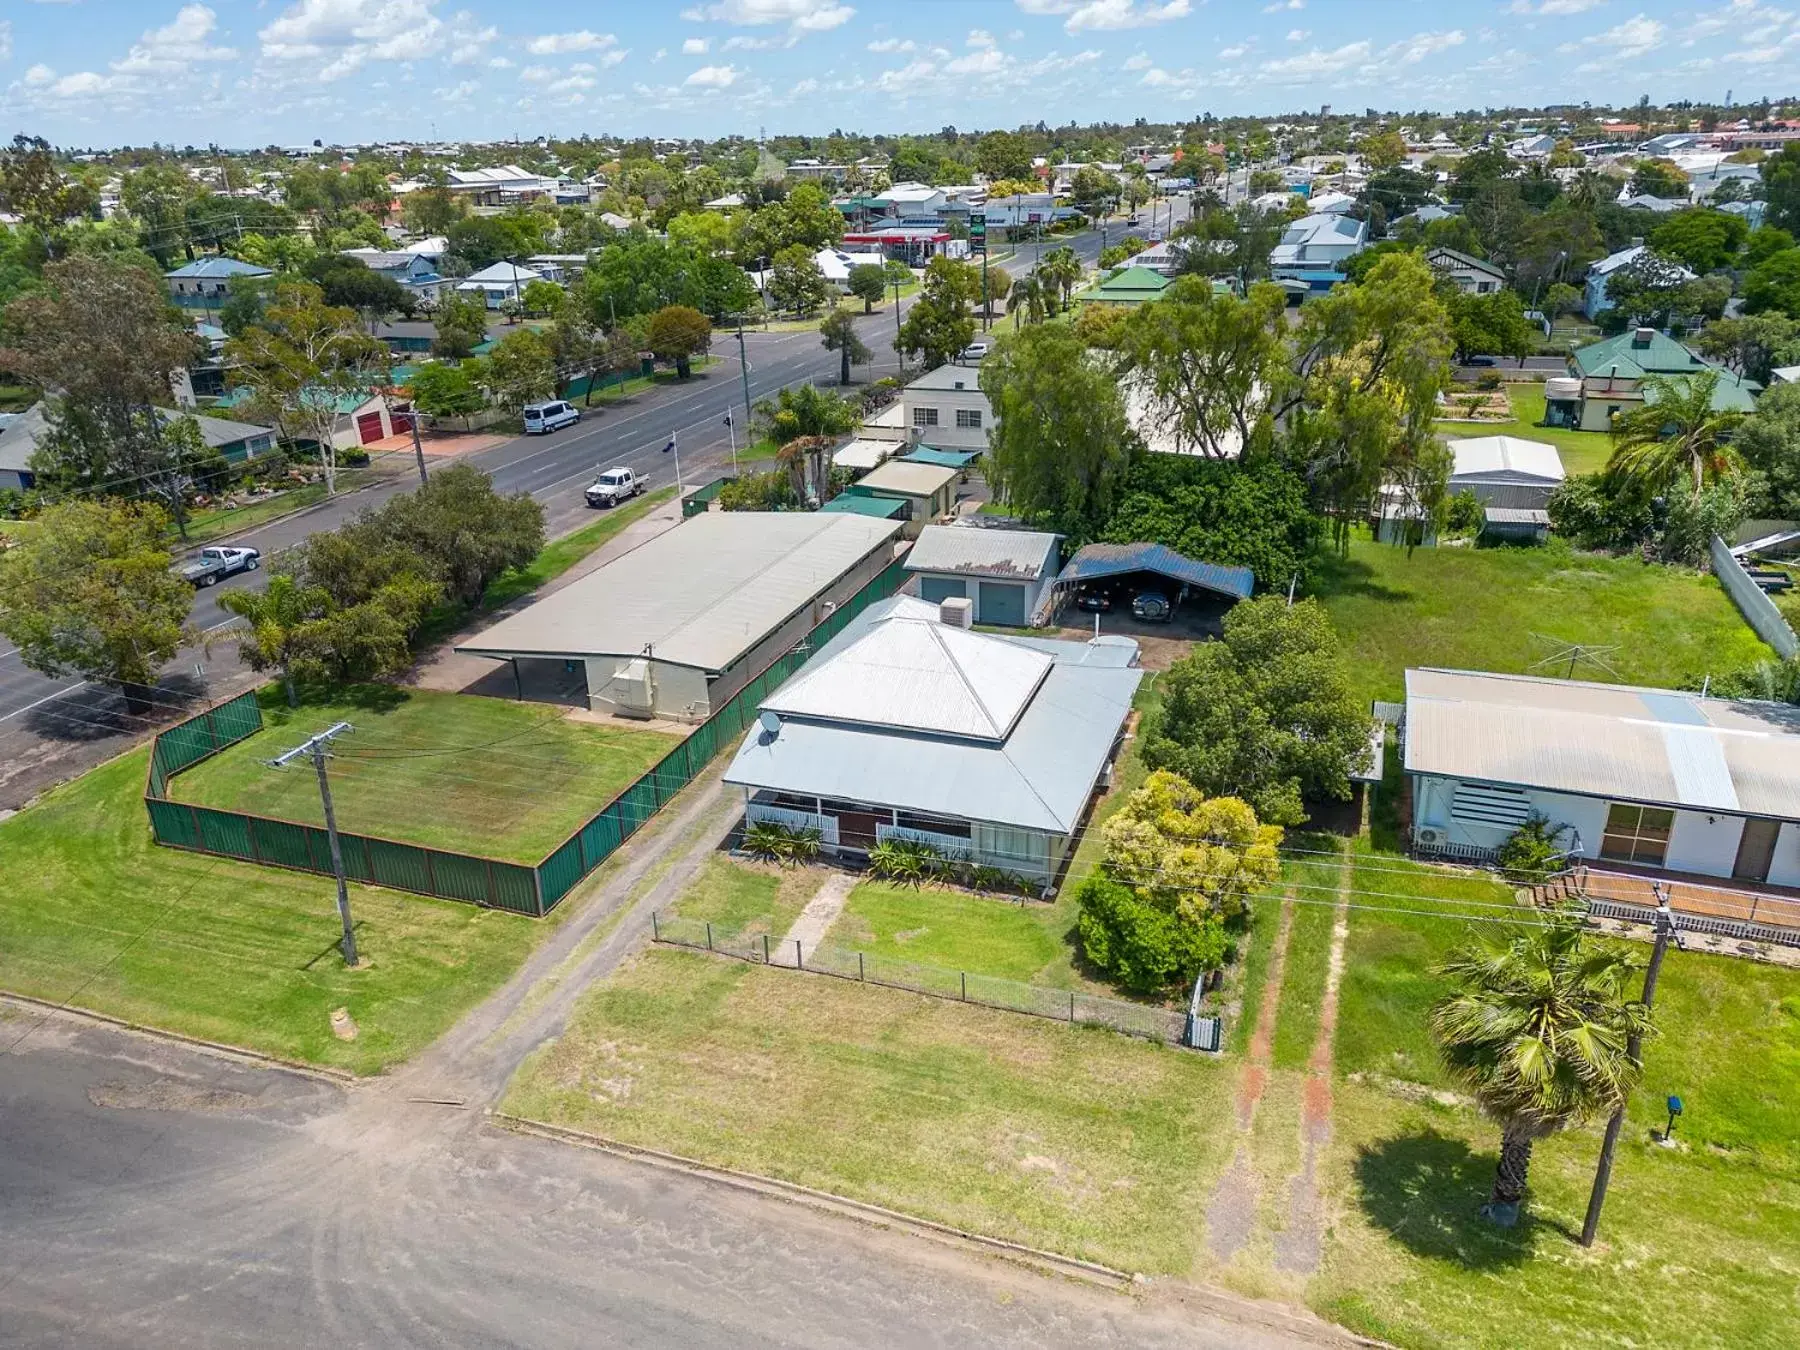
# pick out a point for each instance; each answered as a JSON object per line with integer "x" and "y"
{"x": 1170, "y": 1026}
{"x": 521, "y": 888}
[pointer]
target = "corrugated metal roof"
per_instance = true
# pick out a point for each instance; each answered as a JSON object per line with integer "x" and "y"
{"x": 207, "y": 268}
{"x": 1111, "y": 560}
{"x": 1027, "y": 554}
{"x": 1661, "y": 747}
{"x": 878, "y": 508}
{"x": 912, "y": 480}
{"x": 1504, "y": 458}
{"x": 701, "y": 594}
{"x": 914, "y": 672}
{"x": 1039, "y": 778}
{"x": 943, "y": 459}
{"x": 863, "y": 453}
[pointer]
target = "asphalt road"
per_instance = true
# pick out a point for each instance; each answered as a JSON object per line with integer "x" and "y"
{"x": 46, "y": 723}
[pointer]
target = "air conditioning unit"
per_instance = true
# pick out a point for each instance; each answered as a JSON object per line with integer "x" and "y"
{"x": 1428, "y": 834}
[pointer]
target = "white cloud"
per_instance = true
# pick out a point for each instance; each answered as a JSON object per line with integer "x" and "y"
{"x": 893, "y": 45}
{"x": 500, "y": 63}
{"x": 332, "y": 38}
{"x": 805, "y": 87}
{"x": 472, "y": 46}
{"x": 1233, "y": 53}
{"x": 980, "y": 37}
{"x": 902, "y": 81}
{"x": 741, "y": 43}
{"x": 173, "y": 47}
{"x": 803, "y": 16}
{"x": 39, "y": 76}
{"x": 1554, "y": 8}
{"x": 1111, "y": 15}
{"x": 712, "y": 77}
{"x": 695, "y": 47}
{"x": 1299, "y": 34}
{"x": 982, "y": 61}
{"x": 1410, "y": 51}
{"x": 555, "y": 44}
{"x": 1635, "y": 37}
{"x": 1784, "y": 50}
{"x": 459, "y": 93}
{"x": 1141, "y": 61}
{"x": 1277, "y": 6}
{"x": 1158, "y": 78}
{"x": 1316, "y": 64}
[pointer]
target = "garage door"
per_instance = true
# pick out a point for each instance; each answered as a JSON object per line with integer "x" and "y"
{"x": 1000, "y": 603}
{"x": 368, "y": 427}
{"x": 935, "y": 589}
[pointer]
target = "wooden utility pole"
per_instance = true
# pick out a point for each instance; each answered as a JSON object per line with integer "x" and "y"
{"x": 315, "y": 750}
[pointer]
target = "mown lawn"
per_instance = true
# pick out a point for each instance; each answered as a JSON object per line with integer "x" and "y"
{"x": 481, "y": 775}
{"x": 94, "y": 913}
{"x": 1505, "y": 609}
{"x": 1072, "y": 1138}
{"x": 747, "y": 900}
{"x": 1582, "y": 451}
{"x": 954, "y": 930}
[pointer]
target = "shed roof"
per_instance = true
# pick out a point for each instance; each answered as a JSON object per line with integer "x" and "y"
{"x": 1505, "y": 459}
{"x": 911, "y": 480}
{"x": 19, "y": 440}
{"x": 880, "y": 508}
{"x": 1110, "y": 560}
{"x": 701, "y": 594}
{"x": 212, "y": 268}
{"x": 1456, "y": 258}
{"x": 1656, "y": 746}
{"x": 1017, "y": 554}
{"x": 863, "y": 453}
{"x": 944, "y": 459}
{"x": 1038, "y": 777}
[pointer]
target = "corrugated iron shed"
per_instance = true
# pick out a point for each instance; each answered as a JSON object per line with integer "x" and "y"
{"x": 1020, "y": 555}
{"x": 1098, "y": 561}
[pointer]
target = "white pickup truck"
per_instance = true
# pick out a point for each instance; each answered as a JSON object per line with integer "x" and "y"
{"x": 614, "y": 486}
{"x": 210, "y": 566}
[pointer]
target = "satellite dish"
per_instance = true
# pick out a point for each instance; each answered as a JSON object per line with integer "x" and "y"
{"x": 770, "y": 722}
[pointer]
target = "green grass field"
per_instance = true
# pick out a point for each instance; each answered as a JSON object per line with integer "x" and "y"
{"x": 954, "y": 930}
{"x": 1582, "y": 451}
{"x": 1478, "y": 609}
{"x": 481, "y": 775}
{"x": 749, "y": 900}
{"x": 93, "y": 913}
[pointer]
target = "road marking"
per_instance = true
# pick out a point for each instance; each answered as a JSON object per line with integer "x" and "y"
{"x": 45, "y": 699}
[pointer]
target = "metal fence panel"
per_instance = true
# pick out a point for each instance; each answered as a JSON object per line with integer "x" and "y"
{"x": 287, "y": 844}
{"x": 1760, "y": 612}
{"x": 224, "y": 832}
{"x": 172, "y": 823}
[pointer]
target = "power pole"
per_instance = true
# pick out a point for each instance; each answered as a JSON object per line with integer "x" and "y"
{"x": 315, "y": 749}
{"x": 1665, "y": 930}
{"x": 744, "y": 370}
{"x": 899, "y": 355}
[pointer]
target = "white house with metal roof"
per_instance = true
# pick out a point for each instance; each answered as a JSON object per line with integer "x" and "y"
{"x": 1313, "y": 249}
{"x": 986, "y": 747}
{"x": 1650, "y": 778}
{"x": 679, "y": 624}
{"x": 946, "y": 408}
{"x": 1007, "y": 575}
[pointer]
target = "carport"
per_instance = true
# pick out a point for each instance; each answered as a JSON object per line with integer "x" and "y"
{"x": 1107, "y": 562}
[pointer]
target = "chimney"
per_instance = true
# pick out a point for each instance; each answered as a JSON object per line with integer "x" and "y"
{"x": 1637, "y": 241}
{"x": 957, "y": 611}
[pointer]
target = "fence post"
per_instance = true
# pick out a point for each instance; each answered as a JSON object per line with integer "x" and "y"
{"x": 799, "y": 959}
{"x": 765, "y": 949}
{"x": 1755, "y": 900}
{"x": 965, "y": 985}
{"x": 1071, "y": 1007}
{"x": 859, "y": 967}
{"x": 709, "y": 945}
{"x": 655, "y": 932}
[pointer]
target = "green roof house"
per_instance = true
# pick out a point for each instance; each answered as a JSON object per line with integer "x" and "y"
{"x": 1133, "y": 286}
{"x": 1609, "y": 377}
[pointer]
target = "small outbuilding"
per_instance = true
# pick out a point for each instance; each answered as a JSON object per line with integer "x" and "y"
{"x": 929, "y": 490}
{"x": 1505, "y": 471}
{"x": 679, "y": 624}
{"x": 1131, "y": 564}
{"x": 1007, "y": 575}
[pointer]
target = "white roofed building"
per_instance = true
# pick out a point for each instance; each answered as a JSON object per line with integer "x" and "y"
{"x": 1313, "y": 249}
{"x": 908, "y": 725}
{"x": 1006, "y": 575}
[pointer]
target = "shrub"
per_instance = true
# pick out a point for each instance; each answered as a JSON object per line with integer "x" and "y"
{"x": 1489, "y": 380}
{"x": 910, "y": 862}
{"x": 1463, "y": 517}
{"x": 788, "y": 845}
{"x": 1142, "y": 945}
{"x": 1533, "y": 852}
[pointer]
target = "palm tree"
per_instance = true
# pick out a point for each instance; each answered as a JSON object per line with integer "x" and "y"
{"x": 1675, "y": 430}
{"x": 1590, "y": 187}
{"x": 277, "y": 617}
{"x": 1026, "y": 298}
{"x": 1537, "y": 1030}
{"x": 1062, "y": 271}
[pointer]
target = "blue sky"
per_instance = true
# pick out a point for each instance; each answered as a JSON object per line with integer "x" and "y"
{"x": 248, "y": 72}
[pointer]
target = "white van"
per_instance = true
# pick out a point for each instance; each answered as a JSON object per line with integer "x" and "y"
{"x": 541, "y": 417}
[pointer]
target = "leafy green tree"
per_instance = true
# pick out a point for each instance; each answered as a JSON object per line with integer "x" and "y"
{"x": 1384, "y": 150}
{"x": 32, "y": 188}
{"x": 1061, "y": 270}
{"x": 838, "y": 334}
{"x": 1765, "y": 243}
{"x": 939, "y": 325}
{"x": 993, "y": 284}
{"x": 461, "y": 321}
{"x": 1565, "y": 156}
{"x": 440, "y": 390}
{"x": 1658, "y": 178}
{"x": 1093, "y": 191}
{"x": 520, "y": 370}
{"x": 274, "y": 636}
{"x": 1266, "y": 714}
{"x": 1060, "y": 446}
{"x": 1674, "y": 434}
{"x": 708, "y": 233}
{"x": 868, "y": 283}
{"x": 1537, "y": 1028}
{"x": 1253, "y": 515}
{"x": 1026, "y": 300}
{"x": 1703, "y": 239}
{"x": 432, "y": 210}
{"x": 1003, "y": 155}
{"x": 1769, "y": 442}
{"x": 1478, "y": 171}
{"x": 348, "y": 284}
{"x": 467, "y": 533}
{"x": 89, "y": 592}
{"x": 795, "y": 281}
{"x": 1753, "y": 345}
{"x": 1781, "y": 187}
{"x": 804, "y": 410}
{"x": 678, "y": 333}
{"x": 771, "y": 491}
{"x": 542, "y": 297}
{"x": 1491, "y": 325}
{"x": 1773, "y": 286}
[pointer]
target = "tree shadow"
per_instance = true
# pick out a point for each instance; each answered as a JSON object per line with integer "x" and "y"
{"x": 1338, "y": 575}
{"x": 1426, "y": 1190}
{"x": 98, "y": 712}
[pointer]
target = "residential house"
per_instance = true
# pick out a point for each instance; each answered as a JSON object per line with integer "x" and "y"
{"x": 1473, "y": 276}
{"x": 1130, "y": 287}
{"x": 1006, "y": 575}
{"x": 1596, "y": 301}
{"x": 1646, "y": 201}
{"x": 19, "y": 439}
{"x": 1651, "y": 779}
{"x": 906, "y": 726}
{"x": 812, "y": 171}
{"x": 929, "y": 490}
{"x": 205, "y": 283}
{"x": 1425, "y": 215}
{"x": 945, "y": 407}
{"x": 1532, "y": 147}
{"x": 1314, "y": 248}
{"x": 1608, "y": 377}
{"x": 505, "y": 281}
{"x": 835, "y": 264}
{"x": 1021, "y": 211}
{"x": 1330, "y": 203}
{"x": 504, "y": 185}
{"x": 415, "y": 273}
{"x": 908, "y": 200}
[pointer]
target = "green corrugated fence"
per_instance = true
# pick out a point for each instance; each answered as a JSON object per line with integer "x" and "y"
{"x": 512, "y": 886}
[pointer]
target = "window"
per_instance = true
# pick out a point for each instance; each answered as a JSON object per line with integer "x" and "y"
{"x": 1637, "y": 834}
{"x": 925, "y": 417}
{"x": 969, "y": 418}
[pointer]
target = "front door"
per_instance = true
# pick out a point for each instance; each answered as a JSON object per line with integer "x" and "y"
{"x": 1756, "y": 850}
{"x": 856, "y": 829}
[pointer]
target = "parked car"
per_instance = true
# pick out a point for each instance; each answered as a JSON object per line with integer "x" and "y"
{"x": 1094, "y": 599}
{"x": 614, "y": 486}
{"x": 1152, "y": 607}
{"x": 1134, "y": 220}
{"x": 543, "y": 417}
{"x": 1479, "y": 361}
{"x": 212, "y": 565}
{"x": 975, "y": 351}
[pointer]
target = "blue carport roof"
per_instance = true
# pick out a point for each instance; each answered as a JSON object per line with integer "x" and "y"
{"x": 944, "y": 459}
{"x": 1098, "y": 561}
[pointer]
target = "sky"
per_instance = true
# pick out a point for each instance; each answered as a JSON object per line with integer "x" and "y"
{"x": 254, "y": 72}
